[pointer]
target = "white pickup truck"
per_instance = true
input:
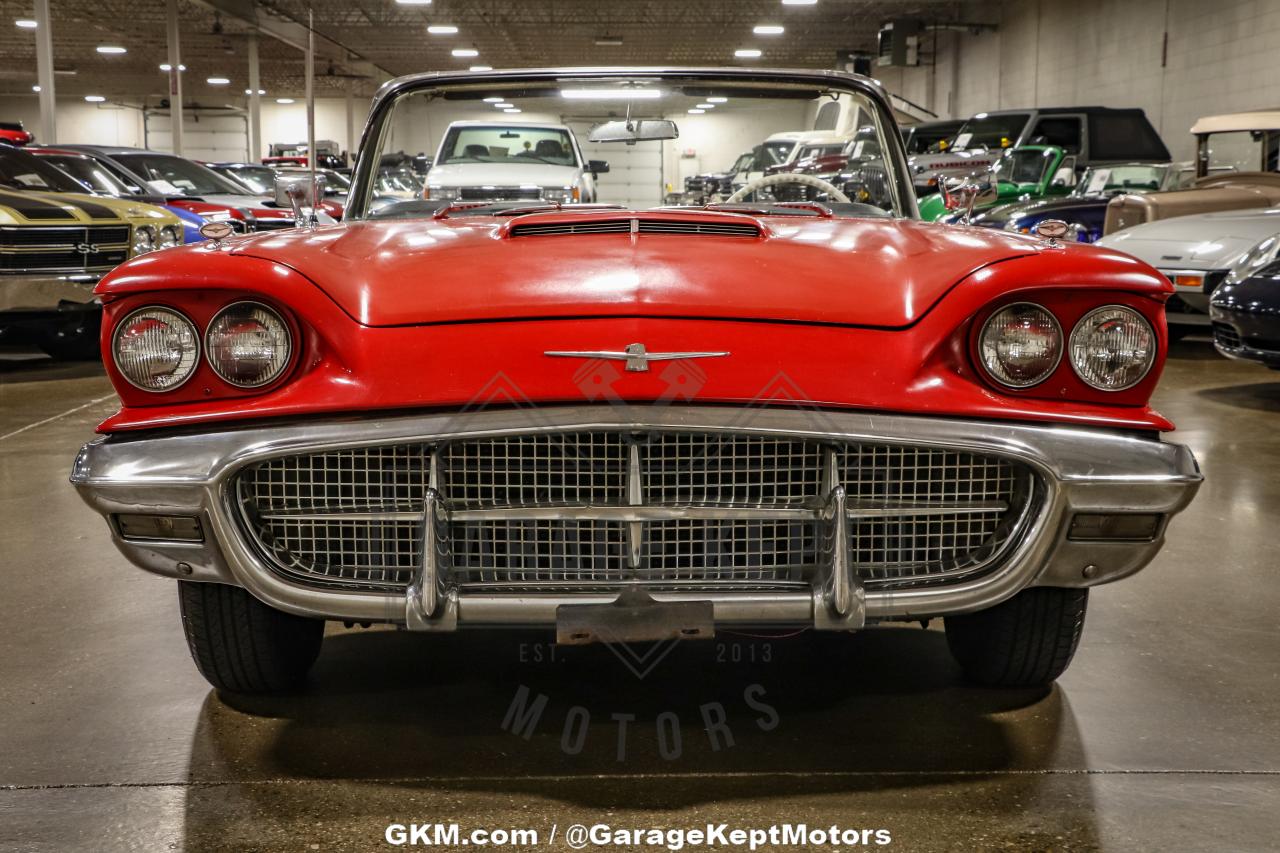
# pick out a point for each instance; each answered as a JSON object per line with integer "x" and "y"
{"x": 502, "y": 161}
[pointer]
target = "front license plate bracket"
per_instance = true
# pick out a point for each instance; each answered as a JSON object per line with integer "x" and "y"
{"x": 634, "y": 617}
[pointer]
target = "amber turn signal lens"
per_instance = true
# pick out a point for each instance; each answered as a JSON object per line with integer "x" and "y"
{"x": 1196, "y": 281}
{"x": 248, "y": 344}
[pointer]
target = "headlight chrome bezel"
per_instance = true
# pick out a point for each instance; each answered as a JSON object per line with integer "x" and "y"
{"x": 1087, "y": 324}
{"x": 289, "y": 344}
{"x": 135, "y": 243}
{"x": 190, "y": 327}
{"x": 981, "y": 350}
{"x": 170, "y": 236}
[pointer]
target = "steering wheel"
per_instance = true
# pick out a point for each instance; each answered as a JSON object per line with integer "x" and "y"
{"x": 788, "y": 178}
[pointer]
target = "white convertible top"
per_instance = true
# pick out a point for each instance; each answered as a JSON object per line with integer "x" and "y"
{"x": 1261, "y": 120}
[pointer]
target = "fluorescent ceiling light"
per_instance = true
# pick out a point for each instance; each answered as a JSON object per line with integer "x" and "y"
{"x": 166, "y": 67}
{"x": 218, "y": 81}
{"x": 746, "y": 53}
{"x": 94, "y": 99}
{"x": 494, "y": 100}
{"x": 609, "y": 41}
{"x": 799, "y": 2}
{"x": 481, "y": 68}
{"x": 768, "y": 30}
{"x": 111, "y": 49}
{"x": 511, "y": 110}
{"x": 25, "y": 23}
{"x": 502, "y": 105}
{"x": 465, "y": 51}
{"x": 70, "y": 72}
{"x": 442, "y": 29}
{"x": 696, "y": 112}
{"x": 717, "y": 99}
{"x": 35, "y": 88}
{"x": 706, "y": 106}
{"x": 610, "y": 94}
{"x": 414, "y": 2}
{"x": 284, "y": 100}
{"x": 260, "y": 91}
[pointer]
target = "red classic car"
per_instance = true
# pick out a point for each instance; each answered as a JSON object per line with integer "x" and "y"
{"x": 629, "y": 423}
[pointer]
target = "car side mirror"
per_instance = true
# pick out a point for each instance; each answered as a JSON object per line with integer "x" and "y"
{"x": 964, "y": 194}
{"x": 299, "y": 193}
{"x": 597, "y": 167}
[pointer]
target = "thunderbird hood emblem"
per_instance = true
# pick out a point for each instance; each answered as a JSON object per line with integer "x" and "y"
{"x": 635, "y": 355}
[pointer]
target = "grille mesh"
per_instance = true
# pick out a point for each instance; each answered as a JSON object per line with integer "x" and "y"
{"x": 543, "y": 469}
{"x": 683, "y": 469}
{"x": 918, "y": 516}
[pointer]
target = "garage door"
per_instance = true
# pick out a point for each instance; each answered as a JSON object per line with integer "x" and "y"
{"x": 635, "y": 171}
{"x": 216, "y": 138}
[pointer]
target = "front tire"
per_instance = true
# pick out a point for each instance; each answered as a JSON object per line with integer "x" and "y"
{"x": 241, "y": 645}
{"x": 1027, "y": 641}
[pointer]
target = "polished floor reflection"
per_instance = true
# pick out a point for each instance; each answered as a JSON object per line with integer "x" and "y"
{"x": 1165, "y": 733}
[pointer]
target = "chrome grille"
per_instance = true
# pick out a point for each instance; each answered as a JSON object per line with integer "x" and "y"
{"x": 76, "y": 248}
{"x": 543, "y": 469}
{"x": 589, "y": 510}
{"x": 684, "y": 469}
{"x": 1226, "y": 336}
{"x": 499, "y": 193}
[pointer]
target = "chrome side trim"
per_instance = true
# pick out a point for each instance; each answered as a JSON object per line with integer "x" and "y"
{"x": 1082, "y": 470}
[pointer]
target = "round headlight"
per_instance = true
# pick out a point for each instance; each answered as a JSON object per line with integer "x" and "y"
{"x": 1020, "y": 345}
{"x": 248, "y": 344}
{"x": 156, "y": 349}
{"x": 1112, "y": 348}
{"x": 170, "y": 237}
{"x": 144, "y": 239}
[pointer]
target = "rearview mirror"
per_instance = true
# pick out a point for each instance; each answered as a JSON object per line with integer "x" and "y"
{"x": 597, "y": 167}
{"x": 632, "y": 131}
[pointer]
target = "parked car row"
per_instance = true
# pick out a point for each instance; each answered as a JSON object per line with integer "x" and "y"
{"x": 1208, "y": 225}
{"x": 71, "y": 213}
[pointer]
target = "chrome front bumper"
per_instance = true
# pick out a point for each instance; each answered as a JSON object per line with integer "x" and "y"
{"x": 1082, "y": 470}
{"x": 45, "y": 291}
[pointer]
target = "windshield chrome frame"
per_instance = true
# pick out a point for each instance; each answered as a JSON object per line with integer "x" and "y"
{"x": 894, "y": 151}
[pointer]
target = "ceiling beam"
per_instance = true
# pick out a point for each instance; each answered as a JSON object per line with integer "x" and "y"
{"x": 294, "y": 34}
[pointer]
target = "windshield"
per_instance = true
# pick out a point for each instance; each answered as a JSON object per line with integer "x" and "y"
{"x": 174, "y": 176}
{"x": 1242, "y": 151}
{"x": 260, "y": 179}
{"x": 531, "y": 139}
{"x": 1122, "y": 179}
{"x": 1022, "y": 166}
{"x": 22, "y": 171}
{"x": 506, "y": 143}
{"x": 87, "y": 171}
{"x": 991, "y": 131}
{"x": 778, "y": 151}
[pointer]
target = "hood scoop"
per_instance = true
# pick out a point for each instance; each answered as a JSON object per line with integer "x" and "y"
{"x": 723, "y": 226}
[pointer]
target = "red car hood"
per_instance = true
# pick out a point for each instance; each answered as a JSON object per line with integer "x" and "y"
{"x": 865, "y": 272}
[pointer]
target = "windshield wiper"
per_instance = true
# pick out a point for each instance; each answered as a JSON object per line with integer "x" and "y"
{"x": 490, "y": 208}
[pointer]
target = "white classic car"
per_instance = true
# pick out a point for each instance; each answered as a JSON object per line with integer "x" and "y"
{"x": 501, "y": 161}
{"x": 1197, "y": 253}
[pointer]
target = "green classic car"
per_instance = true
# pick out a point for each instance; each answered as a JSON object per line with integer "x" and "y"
{"x": 1025, "y": 173}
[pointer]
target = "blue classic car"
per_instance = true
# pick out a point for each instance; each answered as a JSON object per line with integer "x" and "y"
{"x": 1085, "y": 209}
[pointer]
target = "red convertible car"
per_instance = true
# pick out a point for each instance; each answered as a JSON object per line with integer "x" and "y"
{"x": 630, "y": 423}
